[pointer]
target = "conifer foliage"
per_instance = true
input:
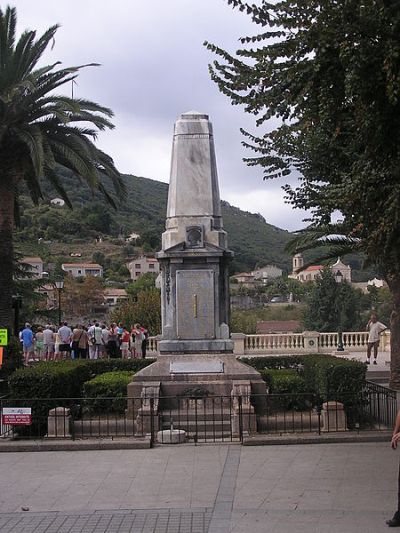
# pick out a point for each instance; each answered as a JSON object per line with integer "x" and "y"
{"x": 322, "y": 78}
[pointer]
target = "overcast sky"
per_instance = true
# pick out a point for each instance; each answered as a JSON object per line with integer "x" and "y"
{"x": 155, "y": 67}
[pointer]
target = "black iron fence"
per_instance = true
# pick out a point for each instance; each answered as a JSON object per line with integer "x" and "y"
{"x": 205, "y": 419}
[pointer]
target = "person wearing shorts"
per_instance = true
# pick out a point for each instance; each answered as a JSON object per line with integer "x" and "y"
{"x": 375, "y": 328}
{"x": 39, "y": 343}
{"x": 125, "y": 342}
{"x": 27, "y": 342}
{"x": 65, "y": 334}
{"x": 48, "y": 343}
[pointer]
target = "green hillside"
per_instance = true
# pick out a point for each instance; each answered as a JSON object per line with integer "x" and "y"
{"x": 142, "y": 210}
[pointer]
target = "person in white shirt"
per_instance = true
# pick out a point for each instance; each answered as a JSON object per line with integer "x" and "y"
{"x": 92, "y": 348}
{"x": 48, "y": 343}
{"x": 105, "y": 336}
{"x": 65, "y": 334}
{"x": 97, "y": 341}
{"x": 375, "y": 328}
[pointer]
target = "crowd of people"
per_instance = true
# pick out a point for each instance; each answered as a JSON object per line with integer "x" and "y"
{"x": 94, "y": 341}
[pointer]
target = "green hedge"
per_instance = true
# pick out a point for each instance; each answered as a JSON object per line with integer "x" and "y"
{"x": 64, "y": 379}
{"x": 275, "y": 361}
{"x": 38, "y": 385}
{"x": 290, "y": 387}
{"x": 328, "y": 376}
{"x": 335, "y": 378}
{"x": 109, "y": 385}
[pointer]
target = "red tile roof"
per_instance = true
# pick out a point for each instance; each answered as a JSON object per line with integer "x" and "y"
{"x": 278, "y": 326}
{"x": 313, "y": 267}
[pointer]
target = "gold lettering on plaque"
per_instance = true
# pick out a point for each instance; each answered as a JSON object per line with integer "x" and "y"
{"x": 194, "y": 305}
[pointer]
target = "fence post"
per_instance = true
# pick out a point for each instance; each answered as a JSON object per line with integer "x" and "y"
{"x": 151, "y": 422}
{"x": 311, "y": 341}
{"x": 238, "y": 343}
{"x": 240, "y": 419}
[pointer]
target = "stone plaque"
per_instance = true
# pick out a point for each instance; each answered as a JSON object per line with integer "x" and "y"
{"x": 195, "y": 304}
{"x": 206, "y": 367}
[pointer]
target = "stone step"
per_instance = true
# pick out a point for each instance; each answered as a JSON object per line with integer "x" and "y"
{"x": 201, "y": 425}
{"x": 223, "y": 436}
{"x": 177, "y": 415}
{"x": 117, "y": 427}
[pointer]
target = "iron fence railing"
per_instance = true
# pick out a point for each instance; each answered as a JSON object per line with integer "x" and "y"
{"x": 203, "y": 419}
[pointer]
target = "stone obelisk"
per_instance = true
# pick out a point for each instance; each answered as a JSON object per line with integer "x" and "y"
{"x": 194, "y": 257}
{"x": 195, "y": 349}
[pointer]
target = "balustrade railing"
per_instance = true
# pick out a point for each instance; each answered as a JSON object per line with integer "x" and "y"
{"x": 152, "y": 348}
{"x": 306, "y": 342}
{"x": 274, "y": 342}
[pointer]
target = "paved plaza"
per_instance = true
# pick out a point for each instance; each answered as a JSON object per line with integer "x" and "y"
{"x": 336, "y": 488}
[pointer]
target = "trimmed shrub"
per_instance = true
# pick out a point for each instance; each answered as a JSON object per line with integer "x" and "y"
{"x": 283, "y": 381}
{"x": 275, "y": 361}
{"x": 110, "y": 385}
{"x": 290, "y": 385}
{"x": 40, "y": 385}
{"x": 64, "y": 379}
{"x": 335, "y": 378}
{"x": 55, "y": 379}
{"x": 100, "y": 366}
{"x": 328, "y": 376}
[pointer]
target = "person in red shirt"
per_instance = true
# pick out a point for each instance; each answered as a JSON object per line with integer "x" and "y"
{"x": 125, "y": 342}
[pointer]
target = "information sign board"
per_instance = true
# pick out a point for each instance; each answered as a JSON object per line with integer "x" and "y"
{"x": 17, "y": 416}
{"x": 3, "y": 337}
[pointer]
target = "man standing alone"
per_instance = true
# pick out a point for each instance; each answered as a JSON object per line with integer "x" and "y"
{"x": 375, "y": 328}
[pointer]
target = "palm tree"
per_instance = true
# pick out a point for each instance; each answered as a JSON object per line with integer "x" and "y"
{"x": 40, "y": 130}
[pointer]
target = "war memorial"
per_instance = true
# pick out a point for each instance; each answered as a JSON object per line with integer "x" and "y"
{"x": 111, "y": 486}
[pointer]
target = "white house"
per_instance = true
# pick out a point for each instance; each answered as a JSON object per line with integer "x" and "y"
{"x": 267, "y": 272}
{"x": 132, "y": 237}
{"x": 83, "y": 269}
{"x": 143, "y": 265}
{"x": 35, "y": 264}
{"x": 57, "y": 201}
{"x": 340, "y": 271}
{"x": 245, "y": 279}
{"x": 113, "y": 296}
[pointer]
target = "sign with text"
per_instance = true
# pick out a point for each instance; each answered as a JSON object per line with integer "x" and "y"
{"x": 3, "y": 337}
{"x": 17, "y": 416}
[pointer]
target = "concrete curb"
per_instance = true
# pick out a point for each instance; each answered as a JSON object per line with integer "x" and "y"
{"x": 74, "y": 445}
{"x": 330, "y": 438}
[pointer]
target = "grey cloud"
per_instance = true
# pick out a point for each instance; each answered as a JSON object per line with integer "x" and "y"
{"x": 154, "y": 67}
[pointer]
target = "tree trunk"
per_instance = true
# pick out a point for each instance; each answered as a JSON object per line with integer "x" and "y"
{"x": 7, "y": 197}
{"x": 394, "y": 286}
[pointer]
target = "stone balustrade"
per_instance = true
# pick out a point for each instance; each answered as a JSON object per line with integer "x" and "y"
{"x": 295, "y": 343}
{"x": 152, "y": 348}
{"x": 306, "y": 342}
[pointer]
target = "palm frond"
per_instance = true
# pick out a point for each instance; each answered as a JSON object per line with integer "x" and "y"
{"x": 326, "y": 240}
{"x": 32, "y": 138}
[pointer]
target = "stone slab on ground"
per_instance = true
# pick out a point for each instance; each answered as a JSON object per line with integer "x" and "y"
{"x": 336, "y": 488}
{"x": 309, "y": 438}
{"x": 50, "y": 445}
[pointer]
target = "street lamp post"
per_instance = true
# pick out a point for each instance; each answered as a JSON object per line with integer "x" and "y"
{"x": 340, "y": 347}
{"x": 59, "y": 286}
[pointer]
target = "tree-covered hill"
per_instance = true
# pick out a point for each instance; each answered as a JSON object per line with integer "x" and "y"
{"x": 142, "y": 210}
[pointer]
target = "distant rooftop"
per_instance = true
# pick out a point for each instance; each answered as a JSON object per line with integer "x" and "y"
{"x": 82, "y": 265}
{"x": 31, "y": 260}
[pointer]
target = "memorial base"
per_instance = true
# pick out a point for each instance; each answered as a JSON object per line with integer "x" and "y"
{"x": 174, "y": 379}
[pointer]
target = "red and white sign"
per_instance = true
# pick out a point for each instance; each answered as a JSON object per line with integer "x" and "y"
{"x": 17, "y": 416}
